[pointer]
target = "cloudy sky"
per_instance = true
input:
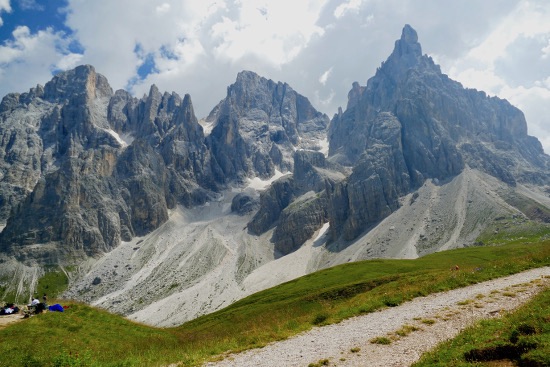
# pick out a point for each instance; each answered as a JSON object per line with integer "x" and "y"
{"x": 319, "y": 47}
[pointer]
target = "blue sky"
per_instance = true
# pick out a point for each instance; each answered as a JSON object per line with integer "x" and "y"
{"x": 319, "y": 47}
{"x": 35, "y": 14}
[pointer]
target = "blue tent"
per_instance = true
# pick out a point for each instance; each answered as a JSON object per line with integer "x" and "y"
{"x": 57, "y": 307}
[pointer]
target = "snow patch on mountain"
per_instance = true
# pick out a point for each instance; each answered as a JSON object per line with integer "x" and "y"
{"x": 258, "y": 184}
{"x": 207, "y": 126}
{"x": 124, "y": 140}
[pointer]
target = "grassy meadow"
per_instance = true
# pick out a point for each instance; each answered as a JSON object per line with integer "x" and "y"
{"x": 85, "y": 336}
{"x": 521, "y": 338}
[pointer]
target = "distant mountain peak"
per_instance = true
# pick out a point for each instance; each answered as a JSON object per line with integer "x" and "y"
{"x": 407, "y": 52}
{"x": 246, "y": 74}
{"x": 409, "y": 35}
{"x": 82, "y": 81}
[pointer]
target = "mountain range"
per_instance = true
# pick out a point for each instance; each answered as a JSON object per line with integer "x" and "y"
{"x": 161, "y": 217}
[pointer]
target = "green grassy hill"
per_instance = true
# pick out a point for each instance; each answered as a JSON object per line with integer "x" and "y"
{"x": 85, "y": 336}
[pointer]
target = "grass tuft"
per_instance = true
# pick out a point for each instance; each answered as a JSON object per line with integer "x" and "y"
{"x": 322, "y": 362}
{"x": 381, "y": 340}
{"x": 319, "y": 319}
{"x": 406, "y": 330}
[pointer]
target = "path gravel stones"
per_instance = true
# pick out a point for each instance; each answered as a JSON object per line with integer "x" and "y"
{"x": 348, "y": 343}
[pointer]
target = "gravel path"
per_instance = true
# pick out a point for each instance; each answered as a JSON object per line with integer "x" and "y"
{"x": 451, "y": 312}
{"x": 6, "y": 320}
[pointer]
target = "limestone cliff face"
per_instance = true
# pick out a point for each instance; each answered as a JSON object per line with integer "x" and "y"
{"x": 379, "y": 178}
{"x": 411, "y": 123}
{"x": 39, "y": 128}
{"x": 437, "y": 114}
{"x": 84, "y": 168}
{"x": 299, "y": 221}
{"x": 258, "y": 126}
{"x": 297, "y": 205}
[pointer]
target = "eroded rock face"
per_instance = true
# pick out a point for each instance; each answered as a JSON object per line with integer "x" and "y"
{"x": 378, "y": 179}
{"x": 258, "y": 126}
{"x": 272, "y": 202}
{"x": 243, "y": 204}
{"x": 297, "y": 205}
{"x": 299, "y": 221}
{"x": 411, "y": 123}
{"x": 84, "y": 169}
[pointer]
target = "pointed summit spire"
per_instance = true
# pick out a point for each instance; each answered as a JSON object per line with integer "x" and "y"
{"x": 407, "y": 54}
{"x": 408, "y": 46}
{"x": 409, "y": 34}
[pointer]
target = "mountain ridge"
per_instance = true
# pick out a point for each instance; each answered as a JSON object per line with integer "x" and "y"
{"x": 156, "y": 211}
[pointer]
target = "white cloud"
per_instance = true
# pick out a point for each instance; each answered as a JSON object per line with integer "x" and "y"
{"x": 349, "y": 6}
{"x": 163, "y": 8}
{"x": 319, "y": 48}
{"x": 324, "y": 77}
{"x": 69, "y": 61}
{"x": 30, "y": 58}
{"x": 186, "y": 38}
{"x": 166, "y": 30}
{"x": 535, "y": 103}
{"x": 324, "y": 101}
{"x": 496, "y": 64}
{"x": 481, "y": 79}
{"x": 528, "y": 20}
{"x": 30, "y": 5}
{"x": 4, "y": 7}
{"x": 546, "y": 50}
{"x": 267, "y": 30}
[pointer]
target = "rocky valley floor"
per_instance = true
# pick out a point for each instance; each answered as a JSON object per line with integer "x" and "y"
{"x": 203, "y": 259}
{"x": 349, "y": 342}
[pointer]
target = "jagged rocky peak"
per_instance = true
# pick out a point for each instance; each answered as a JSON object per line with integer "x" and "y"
{"x": 429, "y": 105}
{"x": 407, "y": 54}
{"x": 354, "y": 96}
{"x": 186, "y": 113}
{"x": 13, "y": 100}
{"x": 412, "y": 123}
{"x": 152, "y": 116}
{"x": 80, "y": 82}
{"x": 407, "y": 45}
{"x": 258, "y": 126}
{"x": 83, "y": 168}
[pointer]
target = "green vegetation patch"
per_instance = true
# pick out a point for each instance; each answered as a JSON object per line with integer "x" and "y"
{"x": 522, "y": 338}
{"x": 532, "y": 209}
{"x": 85, "y": 336}
{"x": 406, "y": 330}
{"x": 98, "y": 338}
{"x": 514, "y": 230}
{"x": 321, "y": 362}
{"x": 53, "y": 283}
{"x": 381, "y": 340}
